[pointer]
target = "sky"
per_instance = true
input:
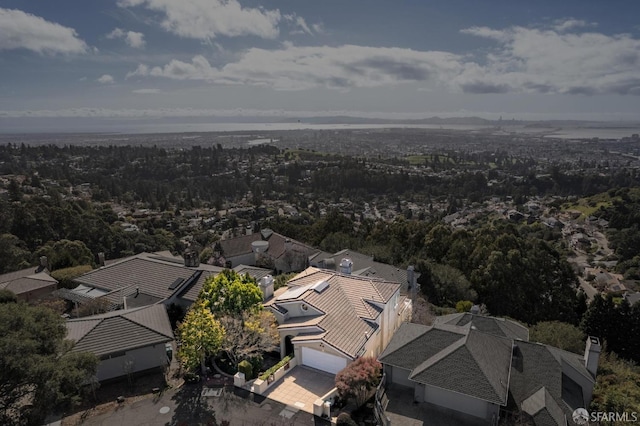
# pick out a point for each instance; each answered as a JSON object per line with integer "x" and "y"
{"x": 122, "y": 60}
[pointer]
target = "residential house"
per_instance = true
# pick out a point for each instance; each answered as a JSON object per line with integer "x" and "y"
{"x": 146, "y": 279}
{"x": 328, "y": 319}
{"x": 267, "y": 249}
{"x": 479, "y": 366}
{"x": 126, "y": 341}
{"x": 29, "y": 284}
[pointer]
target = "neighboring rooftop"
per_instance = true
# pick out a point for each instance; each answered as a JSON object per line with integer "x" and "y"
{"x": 363, "y": 265}
{"x": 27, "y": 280}
{"x": 276, "y": 248}
{"x": 500, "y": 327}
{"x": 120, "y": 331}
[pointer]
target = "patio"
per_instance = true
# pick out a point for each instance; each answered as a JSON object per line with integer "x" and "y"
{"x": 301, "y": 387}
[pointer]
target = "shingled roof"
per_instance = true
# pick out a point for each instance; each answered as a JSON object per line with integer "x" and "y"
{"x": 458, "y": 359}
{"x": 500, "y": 327}
{"x": 539, "y": 386}
{"x": 119, "y": 331}
{"x": 347, "y": 305}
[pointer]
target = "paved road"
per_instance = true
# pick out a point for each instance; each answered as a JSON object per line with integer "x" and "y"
{"x": 186, "y": 407}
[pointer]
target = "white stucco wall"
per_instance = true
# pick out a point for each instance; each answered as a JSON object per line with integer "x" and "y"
{"x": 143, "y": 359}
{"x": 459, "y": 402}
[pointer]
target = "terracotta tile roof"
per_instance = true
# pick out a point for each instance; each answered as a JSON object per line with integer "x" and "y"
{"x": 120, "y": 331}
{"x": 346, "y": 303}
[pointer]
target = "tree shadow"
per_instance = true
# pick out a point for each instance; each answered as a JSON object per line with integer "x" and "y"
{"x": 192, "y": 408}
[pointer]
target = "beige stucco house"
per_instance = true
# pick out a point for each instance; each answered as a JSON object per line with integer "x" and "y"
{"x": 328, "y": 319}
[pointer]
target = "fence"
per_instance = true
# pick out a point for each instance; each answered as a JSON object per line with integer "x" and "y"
{"x": 381, "y": 402}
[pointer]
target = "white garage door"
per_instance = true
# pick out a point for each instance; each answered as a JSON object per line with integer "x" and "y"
{"x": 322, "y": 360}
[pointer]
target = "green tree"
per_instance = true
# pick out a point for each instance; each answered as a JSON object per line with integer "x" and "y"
{"x": 559, "y": 334}
{"x": 230, "y": 293}
{"x": 7, "y": 296}
{"x": 37, "y": 369}
{"x": 617, "y": 387}
{"x": 200, "y": 334}
{"x": 444, "y": 285}
{"x": 359, "y": 379}
{"x": 14, "y": 254}
{"x": 66, "y": 254}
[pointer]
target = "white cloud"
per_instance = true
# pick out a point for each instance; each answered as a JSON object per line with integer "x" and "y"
{"x": 298, "y": 22}
{"x": 549, "y": 61}
{"x": 523, "y": 60}
{"x": 562, "y": 25}
{"x": 132, "y": 38}
{"x": 146, "y": 91}
{"x": 105, "y": 79}
{"x": 207, "y": 19}
{"x": 295, "y": 68}
{"x": 20, "y": 30}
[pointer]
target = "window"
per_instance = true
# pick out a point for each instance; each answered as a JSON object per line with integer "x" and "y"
{"x": 304, "y": 307}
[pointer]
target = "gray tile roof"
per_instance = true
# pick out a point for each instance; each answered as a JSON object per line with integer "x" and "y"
{"x": 500, "y": 327}
{"x": 365, "y": 266}
{"x": 465, "y": 360}
{"x": 346, "y": 305}
{"x": 27, "y": 284}
{"x": 149, "y": 275}
{"x": 120, "y": 331}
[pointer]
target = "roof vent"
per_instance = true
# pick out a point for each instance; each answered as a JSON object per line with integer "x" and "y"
{"x": 176, "y": 283}
{"x": 320, "y": 286}
{"x": 346, "y": 265}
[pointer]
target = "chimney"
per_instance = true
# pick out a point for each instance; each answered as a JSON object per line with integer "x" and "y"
{"x": 266, "y": 285}
{"x": 44, "y": 263}
{"x": 346, "y": 265}
{"x": 101, "y": 262}
{"x": 592, "y": 355}
{"x": 191, "y": 258}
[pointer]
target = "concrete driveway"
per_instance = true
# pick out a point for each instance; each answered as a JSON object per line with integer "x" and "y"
{"x": 301, "y": 387}
{"x": 188, "y": 407}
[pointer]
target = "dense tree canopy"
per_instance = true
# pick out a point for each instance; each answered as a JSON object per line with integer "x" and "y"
{"x": 616, "y": 324}
{"x": 231, "y": 293}
{"x": 38, "y": 373}
{"x": 559, "y": 334}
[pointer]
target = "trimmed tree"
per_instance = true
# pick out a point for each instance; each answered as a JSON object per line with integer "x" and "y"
{"x": 200, "y": 335}
{"x": 359, "y": 379}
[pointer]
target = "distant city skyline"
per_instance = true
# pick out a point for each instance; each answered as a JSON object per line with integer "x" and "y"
{"x": 122, "y": 60}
